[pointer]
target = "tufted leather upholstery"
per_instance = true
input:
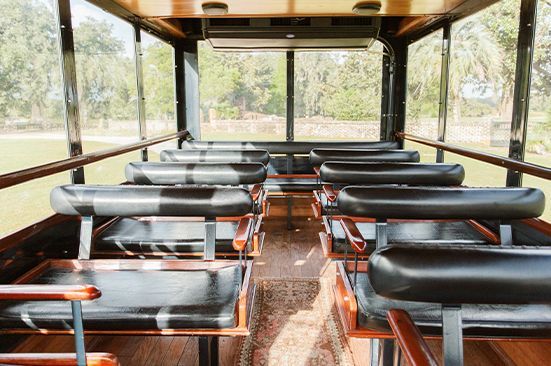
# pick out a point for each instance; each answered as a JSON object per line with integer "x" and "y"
{"x": 462, "y": 275}
{"x": 195, "y": 173}
{"x": 392, "y": 173}
{"x": 289, "y": 147}
{"x": 441, "y": 203}
{"x": 320, "y": 156}
{"x": 135, "y": 300}
{"x": 137, "y": 236}
{"x": 216, "y": 156}
{"x": 82, "y": 200}
{"x": 447, "y": 232}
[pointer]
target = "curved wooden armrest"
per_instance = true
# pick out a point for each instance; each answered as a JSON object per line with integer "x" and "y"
{"x": 329, "y": 192}
{"x": 415, "y": 349}
{"x": 48, "y": 292}
{"x": 255, "y": 192}
{"x": 57, "y": 359}
{"x": 242, "y": 233}
{"x": 353, "y": 235}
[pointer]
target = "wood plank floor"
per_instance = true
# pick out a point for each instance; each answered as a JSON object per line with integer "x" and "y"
{"x": 287, "y": 253}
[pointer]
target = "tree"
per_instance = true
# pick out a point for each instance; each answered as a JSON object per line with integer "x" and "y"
{"x": 29, "y": 63}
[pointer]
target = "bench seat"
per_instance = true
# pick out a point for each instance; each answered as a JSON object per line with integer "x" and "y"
{"x": 478, "y": 320}
{"x": 134, "y": 298}
{"x": 129, "y": 234}
{"x": 283, "y": 185}
{"x": 438, "y": 232}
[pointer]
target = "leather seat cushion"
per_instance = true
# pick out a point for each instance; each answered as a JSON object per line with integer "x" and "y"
{"x": 448, "y": 232}
{"x": 478, "y": 320}
{"x": 135, "y": 300}
{"x": 128, "y": 234}
{"x": 277, "y": 185}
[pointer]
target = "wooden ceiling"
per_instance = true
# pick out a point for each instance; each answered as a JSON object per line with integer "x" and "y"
{"x": 285, "y": 8}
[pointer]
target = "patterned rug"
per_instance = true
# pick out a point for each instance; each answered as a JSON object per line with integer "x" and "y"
{"x": 294, "y": 323}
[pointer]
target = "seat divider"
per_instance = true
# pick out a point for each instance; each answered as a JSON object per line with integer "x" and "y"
{"x": 210, "y": 239}
{"x": 78, "y": 327}
{"x": 505, "y": 233}
{"x": 86, "y": 228}
{"x": 452, "y": 334}
{"x": 381, "y": 237}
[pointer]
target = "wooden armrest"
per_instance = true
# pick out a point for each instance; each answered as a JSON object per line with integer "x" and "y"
{"x": 353, "y": 235}
{"x": 255, "y": 192}
{"x": 329, "y": 192}
{"x": 413, "y": 346}
{"x": 242, "y": 233}
{"x": 48, "y": 292}
{"x": 57, "y": 359}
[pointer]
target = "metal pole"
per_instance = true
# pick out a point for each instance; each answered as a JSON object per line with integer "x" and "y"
{"x": 452, "y": 334}
{"x": 290, "y": 126}
{"x": 387, "y": 97}
{"x": 521, "y": 97}
{"x": 70, "y": 93}
{"x": 400, "y": 85}
{"x": 76, "y": 308}
{"x": 186, "y": 79}
{"x": 140, "y": 85}
{"x": 444, "y": 87}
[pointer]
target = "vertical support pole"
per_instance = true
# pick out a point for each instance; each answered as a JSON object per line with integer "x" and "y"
{"x": 86, "y": 228}
{"x": 186, "y": 77}
{"x": 289, "y": 197}
{"x": 382, "y": 352}
{"x": 521, "y": 97}
{"x": 400, "y": 85}
{"x": 70, "y": 92}
{"x": 387, "y": 95}
{"x": 138, "y": 55}
{"x": 381, "y": 233}
{"x": 444, "y": 87}
{"x": 210, "y": 239}
{"x": 78, "y": 327}
{"x": 505, "y": 234}
{"x": 452, "y": 335}
{"x": 290, "y": 126}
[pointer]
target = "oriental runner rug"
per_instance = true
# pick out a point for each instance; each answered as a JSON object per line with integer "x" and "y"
{"x": 294, "y": 322}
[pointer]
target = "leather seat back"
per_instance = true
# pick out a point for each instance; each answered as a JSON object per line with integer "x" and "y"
{"x": 392, "y": 173}
{"x": 195, "y": 173}
{"x": 320, "y": 156}
{"x": 462, "y": 275}
{"x": 441, "y": 203}
{"x": 90, "y": 200}
{"x": 216, "y": 156}
{"x": 288, "y": 147}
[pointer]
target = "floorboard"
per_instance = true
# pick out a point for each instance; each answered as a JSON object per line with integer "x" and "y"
{"x": 287, "y": 253}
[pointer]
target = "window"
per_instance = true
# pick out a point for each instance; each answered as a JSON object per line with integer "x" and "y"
{"x": 538, "y": 145}
{"x": 338, "y": 95}
{"x": 32, "y": 128}
{"x": 423, "y": 92}
{"x": 31, "y": 103}
{"x": 106, "y": 77}
{"x": 482, "y": 74}
{"x": 158, "y": 73}
{"x": 242, "y": 95}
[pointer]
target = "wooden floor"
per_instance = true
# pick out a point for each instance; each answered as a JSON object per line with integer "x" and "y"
{"x": 287, "y": 253}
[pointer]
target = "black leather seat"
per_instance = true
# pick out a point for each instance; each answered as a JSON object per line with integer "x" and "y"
{"x": 438, "y": 232}
{"x": 283, "y": 185}
{"x": 135, "y": 300}
{"x": 216, "y": 156}
{"x": 169, "y": 173}
{"x": 504, "y": 291}
{"x": 163, "y": 237}
{"x": 319, "y": 156}
{"x": 288, "y": 147}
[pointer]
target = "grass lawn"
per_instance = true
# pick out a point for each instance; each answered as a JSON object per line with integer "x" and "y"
{"x": 29, "y": 202}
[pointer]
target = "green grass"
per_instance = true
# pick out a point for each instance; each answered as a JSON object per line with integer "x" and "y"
{"x": 29, "y": 202}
